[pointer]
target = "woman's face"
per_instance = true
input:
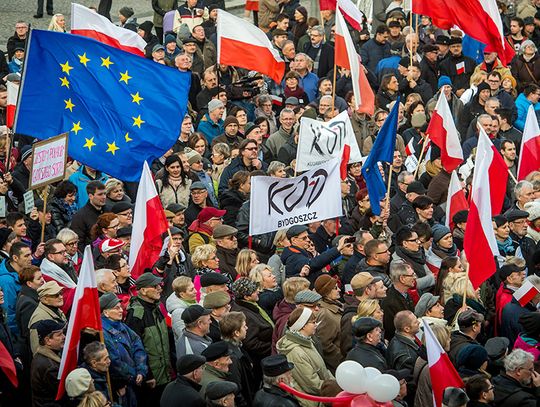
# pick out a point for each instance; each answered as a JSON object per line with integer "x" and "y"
{"x": 393, "y": 85}
{"x": 458, "y": 268}
{"x": 246, "y": 186}
{"x": 110, "y": 231}
{"x": 124, "y": 271}
{"x": 356, "y": 170}
{"x": 381, "y": 117}
{"x": 117, "y": 193}
{"x": 378, "y": 314}
{"x": 298, "y": 17}
{"x": 364, "y": 203}
{"x": 284, "y": 243}
{"x": 71, "y": 246}
{"x": 70, "y": 198}
{"x": 309, "y": 329}
{"x": 200, "y": 147}
{"x": 292, "y": 83}
{"x": 241, "y": 116}
{"x": 334, "y": 294}
{"x": 174, "y": 169}
{"x": 264, "y": 127}
{"x": 447, "y": 241}
{"x": 212, "y": 262}
{"x": 281, "y": 173}
{"x": 507, "y": 84}
{"x": 254, "y": 260}
{"x": 190, "y": 293}
{"x": 61, "y": 21}
{"x": 419, "y": 109}
{"x": 269, "y": 280}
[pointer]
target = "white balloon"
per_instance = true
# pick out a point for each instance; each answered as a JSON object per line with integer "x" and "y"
{"x": 350, "y": 377}
{"x": 371, "y": 373}
{"x": 385, "y": 388}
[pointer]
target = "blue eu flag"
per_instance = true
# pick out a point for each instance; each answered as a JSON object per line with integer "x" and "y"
{"x": 119, "y": 109}
{"x": 382, "y": 151}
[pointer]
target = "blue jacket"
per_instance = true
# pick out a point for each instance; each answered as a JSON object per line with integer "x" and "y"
{"x": 372, "y": 52}
{"x": 128, "y": 357}
{"x": 522, "y": 104}
{"x": 295, "y": 258}
{"x": 209, "y": 128}
{"x": 310, "y": 85}
{"x": 9, "y": 281}
{"x": 81, "y": 180}
{"x": 209, "y": 184}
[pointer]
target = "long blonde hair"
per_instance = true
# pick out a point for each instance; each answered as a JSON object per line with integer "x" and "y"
{"x": 54, "y": 26}
{"x": 366, "y": 308}
{"x": 243, "y": 262}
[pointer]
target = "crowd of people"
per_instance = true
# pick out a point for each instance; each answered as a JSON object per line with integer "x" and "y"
{"x": 223, "y": 318}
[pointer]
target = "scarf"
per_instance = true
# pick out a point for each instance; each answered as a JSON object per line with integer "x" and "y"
{"x": 441, "y": 252}
{"x": 506, "y": 246}
{"x": 49, "y": 269}
{"x": 431, "y": 169}
{"x": 298, "y": 92}
{"x": 417, "y": 260}
{"x": 70, "y": 209}
{"x": 263, "y": 313}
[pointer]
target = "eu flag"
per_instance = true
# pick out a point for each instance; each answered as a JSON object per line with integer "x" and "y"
{"x": 119, "y": 109}
{"x": 382, "y": 151}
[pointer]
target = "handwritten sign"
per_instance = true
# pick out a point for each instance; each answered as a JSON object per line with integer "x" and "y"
{"x": 49, "y": 161}
{"x": 28, "y": 202}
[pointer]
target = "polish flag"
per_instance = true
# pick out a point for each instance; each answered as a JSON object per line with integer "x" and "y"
{"x": 442, "y": 131}
{"x": 525, "y": 293}
{"x": 88, "y": 23}
{"x": 479, "y": 242}
{"x": 346, "y": 57}
{"x": 12, "y": 96}
{"x": 327, "y": 5}
{"x": 84, "y": 314}
{"x": 529, "y": 155}
{"x": 409, "y": 148}
{"x": 460, "y": 67}
{"x": 498, "y": 177}
{"x": 349, "y": 10}
{"x": 241, "y": 44}
{"x": 149, "y": 224}
{"x": 8, "y": 365}
{"x": 487, "y": 27}
{"x": 456, "y": 199}
{"x": 442, "y": 372}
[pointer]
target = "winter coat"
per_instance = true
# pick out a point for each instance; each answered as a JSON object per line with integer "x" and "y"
{"x": 375, "y": 271}
{"x": 459, "y": 80}
{"x": 27, "y": 302}
{"x": 328, "y": 331}
{"x": 522, "y": 74}
{"x": 391, "y": 305}
{"x": 458, "y": 340}
{"x": 81, "y": 180}
{"x": 186, "y": 18}
{"x": 280, "y": 315}
{"x": 528, "y": 344}
{"x": 43, "y": 376}
{"x": 209, "y": 128}
{"x": 276, "y": 141}
{"x": 349, "y": 311}
{"x": 161, "y": 7}
{"x": 325, "y": 52}
{"x": 510, "y": 393}
{"x": 211, "y": 374}
{"x": 181, "y": 266}
{"x": 268, "y": 11}
{"x": 147, "y": 321}
{"x": 274, "y": 397}
{"x": 169, "y": 194}
{"x": 236, "y": 165}
{"x": 128, "y": 357}
{"x": 262, "y": 244}
{"x": 522, "y": 105}
{"x": 227, "y": 261}
{"x": 182, "y": 392}
{"x": 60, "y": 217}
{"x": 175, "y": 307}
{"x": 269, "y": 298}
{"x": 510, "y": 327}
{"x": 9, "y": 281}
{"x": 295, "y": 258}
{"x": 82, "y": 223}
{"x": 309, "y": 371}
{"x": 372, "y": 52}
{"x": 191, "y": 344}
{"x": 43, "y": 312}
{"x": 368, "y": 356}
{"x": 287, "y": 153}
{"x": 438, "y": 187}
{"x": 424, "y": 391}
{"x": 402, "y": 352}
{"x": 241, "y": 372}
{"x": 231, "y": 200}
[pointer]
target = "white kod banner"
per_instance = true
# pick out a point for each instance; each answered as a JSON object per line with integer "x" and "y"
{"x": 319, "y": 142}
{"x": 279, "y": 203}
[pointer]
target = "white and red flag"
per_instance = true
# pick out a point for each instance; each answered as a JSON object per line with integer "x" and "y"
{"x": 441, "y": 370}
{"x": 443, "y": 133}
{"x": 149, "y": 224}
{"x": 529, "y": 155}
{"x": 347, "y": 57}
{"x": 409, "y": 148}
{"x": 525, "y": 293}
{"x": 85, "y": 313}
{"x": 456, "y": 200}
{"x": 88, "y": 23}
{"x": 242, "y": 44}
{"x": 12, "y": 96}
{"x": 478, "y": 18}
{"x": 479, "y": 242}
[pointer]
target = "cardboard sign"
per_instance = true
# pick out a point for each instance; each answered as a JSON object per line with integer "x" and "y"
{"x": 49, "y": 159}
{"x": 28, "y": 202}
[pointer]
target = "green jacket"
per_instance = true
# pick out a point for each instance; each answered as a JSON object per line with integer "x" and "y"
{"x": 211, "y": 374}
{"x": 148, "y": 322}
{"x": 161, "y": 7}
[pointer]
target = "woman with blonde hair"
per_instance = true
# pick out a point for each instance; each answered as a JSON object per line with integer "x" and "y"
{"x": 281, "y": 241}
{"x": 114, "y": 189}
{"x": 205, "y": 260}
{"x": 270, "y": 293}
{"x": 245, "y": 261}
{"x": 94, "y": 399}
{"x": 58, "y": 23}
{"x": 454, "y": 304}
{"x": 476, "y": 78}
{"x": 183, "y": 296}
{"x": 369, "y": 308}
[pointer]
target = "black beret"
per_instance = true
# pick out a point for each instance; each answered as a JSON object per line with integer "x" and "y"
{"x": 507, "y": 269}
{"x": 193, "y": 313}
{"x": 499, "y": 220}
{"x": 215, "y": 351}
{"x": 121, "y": 207}
{"x": 416, "y": 186}
{"x": 208, "y": 279}
{"x": 454, "y": 41}
{"x": 483, "y": 86}
{"x": 218, "y": 390}
{"x": 460, "y": 216}
{"x": 442, "y": 40}
{"x": 430, "y": 48}
{"x": 497, "y": 347}
{"x": 363, "y": 326}
{"x": 275, "y": 365}
{"x": 515, "y": 214}
{"x": 125, "y": 231}
{"x": 295, "y": 230}
{"x": 188, "y": 363}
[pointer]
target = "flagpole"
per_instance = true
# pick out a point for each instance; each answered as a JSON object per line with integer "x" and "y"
{"x": 421, "y": 155}
{"x": 512, "y": 176}
{"x": 411, "y": 25}
{"x": 334, "y": 88}
{"x": 109, "y": 387}
{"x": 45, "y": 195}
{"x": 464, "y": 303}
{"x": 388, "y": 186}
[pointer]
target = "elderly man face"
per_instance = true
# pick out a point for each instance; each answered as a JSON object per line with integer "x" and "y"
{"x": 288, "y": 51}
{"x": 316, "y": 37}
{"x": 183, "y": 62}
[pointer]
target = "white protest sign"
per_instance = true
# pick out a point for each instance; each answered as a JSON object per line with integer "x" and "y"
{"x": 319, "y": 142}
{"x": 28, "y": 201}
{"x": 278, "y": 203}
{"x": 411, "y": 162}
{"x": 48, "y": 161}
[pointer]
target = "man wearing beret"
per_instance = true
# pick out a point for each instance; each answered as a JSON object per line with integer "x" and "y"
{"x": 524, "y": 245}
{"x": 184, "y": 391}
{"x": 227, "y": 248}
{"x": 46, "y": 362}
{"x": 219, "y": 303}
{"x": 457, "y": 66}
{"x": 368, "y": 334}
{"x": 276, "y": 370}
{"x": 221, "y": 394}
{"x": 218, "y": 362}
{"x": 511, "y": 277}
{"x": 146, "y": 319}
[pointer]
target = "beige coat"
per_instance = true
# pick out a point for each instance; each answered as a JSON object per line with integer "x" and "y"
{"x": 328, "y": 331}
{"x": 42, "y": 313}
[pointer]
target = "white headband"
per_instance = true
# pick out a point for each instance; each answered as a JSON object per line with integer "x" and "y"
{"x": 302, "y": 321}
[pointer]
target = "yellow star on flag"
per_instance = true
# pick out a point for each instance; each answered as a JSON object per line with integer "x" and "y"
{"x": 127, "y": 138}
{"x": 89, "y": 143}
{"x": 76, "y": 127}
{"x": 136, "y": 98}
{"x": 137, "y": 121}
{"x": 83, "y": 59}
{"x": 69, "y": 105}
{"x": 66, "y": 68}
{"x": 106, "y": 62}
{"x": 65, "y": 82}
{"x": 112, "y": 148}
{"x": 124, "y": 77}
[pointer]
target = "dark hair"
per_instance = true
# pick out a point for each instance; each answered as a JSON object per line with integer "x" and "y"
{"x": 476, "y": 385}
{"x": 531, "y": 89}
{"x": 238, "y": 179}
{"x": 422, "y": 202}
{"x": 282, "y": 17}
{"x": 383, "y": 28}
{"x": 194, "y": 138}
{"x": 244, "y": 143}
{"x": 103, "y": 221}
{"x": 13, "y": 217}
{"x": 386, "y": 80}
{"x": 93, "y": 186}
{"x": 91, "y": 350}
{"x": 113, "y": 262}
{"x": 423, "y": 230}
{"x": 495, "y": 73}
{"x": 518, "y": 20}
{"x": 49, "y": 246}
{"x": 64, "y": 189}
{"x": 371, "y": 247}
{"x": 27, "y": 274}
{"x": 261, "y": 119}
{"x": 17, "y": 248}
{"x": 403, "y": 234}
{"x": 413, "y": 106}
{"x": 504, "y": 142}
{"x": 165, "y": 175}
{"x": 447, "y": 263}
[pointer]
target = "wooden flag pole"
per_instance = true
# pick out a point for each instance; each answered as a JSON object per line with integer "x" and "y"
{"x": 512, "y": 176}
{"x": 45, "y": 195}
{"x": 464, "y": 303}
{"x": 388, "y": 186}
{"x": 109, "y": 387}
{"x": 421, "y": 155}
{"x": 334, "y": 88}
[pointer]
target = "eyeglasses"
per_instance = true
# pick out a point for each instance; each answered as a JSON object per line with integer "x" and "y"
{"x": 198, "y": 192}
{"x": 414, "y": 240}
{"x": 250, "y": 148}
{"x": 71, "y": 244}
{"x": 113, "y": 227}
{"x": 490, "y": 388}
{"x": 409, "y": 275}
{"x": 60, "y": 252}
{"x": 383, "y": 252}
{"x": 126, "y": 214}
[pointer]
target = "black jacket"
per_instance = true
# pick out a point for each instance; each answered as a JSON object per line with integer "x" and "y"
{"x": 510, "y": 393}
{"x": 182, "y": 392}
{"x": 82, "y": 222}
{"x": 43, "y": 377}
{"x": 295, "y": 258}
{"x": 59, "y": 215}
{"x": 27, "y": 302}
{"x": 458, "y": 340}
{"x": 241, "y": 373}
{"x": 227, "y": 262}
{"x": 326, "y": 57}
{"x": 368, "y": 356}
{"x": 349, "y": 271}
{"x": 262, "y": 244}
{"x": 459, "y": 80}
{"x": 391, "y": 305}
{"x": 321, "y": 239}
{"x": 231, "y": 200}
{"x": 274, "y": 397}
{"x": 402, "y": 353}
{"x": 375, "y": 271}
